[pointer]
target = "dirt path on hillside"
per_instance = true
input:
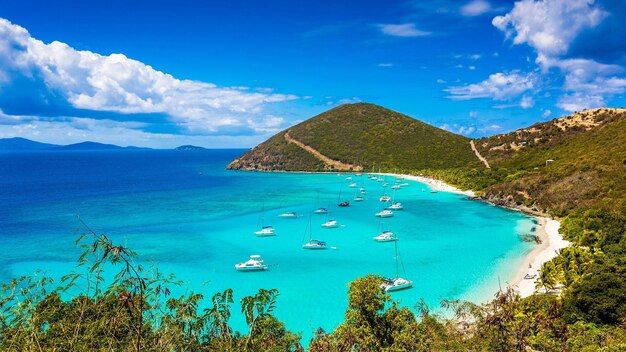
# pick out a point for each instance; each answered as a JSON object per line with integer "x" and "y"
{"x": 479, "y": 156}
{"x": 328, "y": 162}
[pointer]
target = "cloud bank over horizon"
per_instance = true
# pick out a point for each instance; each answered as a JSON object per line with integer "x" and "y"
{"x": 70, "y": 81}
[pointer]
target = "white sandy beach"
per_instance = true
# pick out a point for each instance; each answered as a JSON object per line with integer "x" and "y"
{"x": 548, "y": 230}
{"x": 434, "y": 184}
{"x": 552, "y": 242}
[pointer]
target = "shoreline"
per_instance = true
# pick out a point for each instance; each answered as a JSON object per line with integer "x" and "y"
{"x": 547, "y": 229}
{"x": 551, "y": 242}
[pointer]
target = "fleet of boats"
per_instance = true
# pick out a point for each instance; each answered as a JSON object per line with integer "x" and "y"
{"x": 256, "y": 263}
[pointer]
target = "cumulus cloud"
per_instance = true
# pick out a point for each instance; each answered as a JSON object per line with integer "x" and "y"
{"x": 527, "y": 102}
{"x": 550, "y": 27}
{"x": 499, "y": 86}
{"x": 402, "y": 30}
{"x": 475, "y": 8}
{"x": 458, "y": 129}
{"x": 116, "y": 83}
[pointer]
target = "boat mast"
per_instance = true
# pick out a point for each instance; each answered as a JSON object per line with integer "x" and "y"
{"x": 397, "y": 274}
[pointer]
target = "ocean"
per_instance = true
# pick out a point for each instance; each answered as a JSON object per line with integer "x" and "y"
{"x": 184, "y": 211}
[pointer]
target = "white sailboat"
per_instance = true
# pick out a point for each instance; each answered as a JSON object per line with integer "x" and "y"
{"x": 312, "y": 243}
{"x": 266, "y": 230}
{"x": 395, "y": 205}
{"x": 255, "y": 263}
{"x": 386, "y": 213}
{"x": 330, "y": 224}
{"x": 396, "y": 283}
{"x": 385, "y": 236}
{"x": 289, "y": 215}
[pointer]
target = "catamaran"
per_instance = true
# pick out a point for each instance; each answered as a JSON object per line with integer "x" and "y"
{"x": 266, "y": 230}
{"x": 386, "y": 213}
{"x": 255, "y": 263}
{"x": 312, "y": 244}
{"x": 397, "y": 283}
{"x": 395, "y": 205}
{"x": 386, "y": 236}
{"x": 330, "y": 224}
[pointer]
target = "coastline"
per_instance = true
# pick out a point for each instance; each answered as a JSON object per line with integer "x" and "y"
{"x": 433, "y": 183}
{"x": 547, "y": 229}
{"x": 551, "y": 242}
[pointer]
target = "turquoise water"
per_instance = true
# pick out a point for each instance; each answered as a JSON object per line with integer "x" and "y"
{"x": 196, "y": 219}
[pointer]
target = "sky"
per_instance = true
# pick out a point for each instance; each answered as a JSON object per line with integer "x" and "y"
{"x": 229, "y": 74}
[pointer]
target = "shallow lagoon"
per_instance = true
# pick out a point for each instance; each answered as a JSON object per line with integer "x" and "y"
{"x": 183, "y": 210}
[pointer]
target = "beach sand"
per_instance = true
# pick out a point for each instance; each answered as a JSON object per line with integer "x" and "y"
{"x": 434, "y": 184}
{"x": 548, "y": 230}
{"x": 552, "y": 242}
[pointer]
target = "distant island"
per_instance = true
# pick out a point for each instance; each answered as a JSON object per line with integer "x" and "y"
{"x": 23, "y": 144}
{"x": 189, "y": 147}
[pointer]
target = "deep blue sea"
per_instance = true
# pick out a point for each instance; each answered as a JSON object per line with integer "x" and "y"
{"x": 183, "y": 210}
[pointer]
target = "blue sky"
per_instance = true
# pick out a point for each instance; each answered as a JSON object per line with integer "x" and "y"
{"x": 232, "y": 73}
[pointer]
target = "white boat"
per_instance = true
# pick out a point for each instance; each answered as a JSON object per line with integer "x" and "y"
{"x": 358, "y": 199}
{"x": 312, "y": 243}
{"x": 385, "y": 198}
{"x": 359, "y": 174}
{"x": 380, "y": 179}
{"x": 352, "y": 185}
{"x": 396, "y": 283}
{"x": 266, "y": 231}
{"x": 396, "y": 206}
{"x": 349, "y": 178}
{"x": 289, "y": 215}
{"x": 384, "y": 213}
{"x": 362, "y": 189}
{"x": 320, "y": 211}
{"x": 395, "y": 187}
{"x": 255, "y": 263}
{"x": 330, "y": 224}
{"x": 405, "y": 184}
{"x": 433, "y": 191}
{"x": 386, "y": 236}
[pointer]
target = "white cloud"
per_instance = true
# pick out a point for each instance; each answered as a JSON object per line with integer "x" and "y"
{"x": 549, "y": 26}
{"x": 527, "y": 102}
{"x": 402, "y": 30}
{"x": 458, "y": 129}
{"x": 441, "y": 81}
{"x": 119, "y": 84}
{"x": 546, "y": 114}
{"x": 475, "y": 8}
{"x": 471, "y": 68}
{"x": 385, "y": 64}
{"x": 499, "y": 86}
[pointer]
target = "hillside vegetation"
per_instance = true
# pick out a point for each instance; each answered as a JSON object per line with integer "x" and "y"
{"x": 363, "y": 135}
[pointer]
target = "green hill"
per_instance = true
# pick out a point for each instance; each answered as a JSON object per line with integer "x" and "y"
{"x": 360, "y": 135}
{"x": 576, "y": 161}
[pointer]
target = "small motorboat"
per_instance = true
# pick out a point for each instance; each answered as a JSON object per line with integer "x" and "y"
{"x": 358, "y": 199}
{"x": 352, "y": 185}
{"x": 349, "y": 178}
{"x": 396, "y": 206}
{"x": 330, "y": 224}
{"x": 320, "y": 211}
{"x": 384, "y": 214}
{"x": 344, "y": 204}
{"x": 265, "y": 231}
{"x": 255, "y": 263}
{"x": 385, "y": 184}
{"x": 386, "y": 236}
{"x": 395, "y": 187}
{"x": 289, "y": 215}
{"x": 385, "y": 199}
